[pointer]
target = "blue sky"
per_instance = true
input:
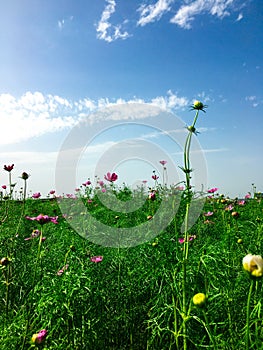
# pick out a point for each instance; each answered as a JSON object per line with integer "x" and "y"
{"x": 61, "y": 61}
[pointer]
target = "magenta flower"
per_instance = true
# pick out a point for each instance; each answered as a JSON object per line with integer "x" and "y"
{"x": 155, "y": 177}
{"x": 111, "y": 177}
{"x": 4, "y": 187}
{"x": 87, "y": 183}
{"x": 101, "y": 183}
{"x": 152, "y": 195}
{"x": 43, "y": 219}
{"x": 103, "y": 190}
{"x": 96, "y": 259}
{"x": 229, "y": 207}
{"x": 212, "y": 190}
{"x": 89, "y": 201}
{"x": 39, "y": 337}
{"x": 242, "y": 202}
{"x": 52, "y": 192}
{"x": 9, "y": 167}
{"x": 36, "y": 195}
{"x": 163, "y": 162}
{"x": 247, "y": 196}
{"x": 190, "y": 238}
{"x": 209, "y": 213}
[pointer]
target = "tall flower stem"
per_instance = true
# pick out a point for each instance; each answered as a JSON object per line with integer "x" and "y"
{"x": 248, "y": 314}
{"x": 187, "y": 170}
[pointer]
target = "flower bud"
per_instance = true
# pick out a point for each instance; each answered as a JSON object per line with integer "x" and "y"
{"x": 199, "y": 299}
{"x": 253, "y": 264}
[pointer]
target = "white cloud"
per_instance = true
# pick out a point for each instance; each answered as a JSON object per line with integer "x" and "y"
{"x": 240, "y": 16}
{"x": 152, "y": 13}
{"x": 170, "y": 102}
{"x": 34, "y": 114}
{"x": 104, "y": 26}
{"x": 186, "y": 14}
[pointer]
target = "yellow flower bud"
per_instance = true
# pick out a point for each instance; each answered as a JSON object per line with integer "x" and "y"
{"x": 253, "y": 264}
{"x": 199, "y": 299}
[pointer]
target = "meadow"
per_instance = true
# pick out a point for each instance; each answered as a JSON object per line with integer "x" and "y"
{"x": 196, "y": 289}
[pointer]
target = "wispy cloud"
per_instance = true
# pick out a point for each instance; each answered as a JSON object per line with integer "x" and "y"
{"x": 35, "y": 114}
{"x": 253, "y": 100}
{"x": 240, "y": 16}
{"x": 152, "y": 13}
{"x": 186, "y": 14}
{"x": 105, "y": 30}
{"x": 62, "y": 22}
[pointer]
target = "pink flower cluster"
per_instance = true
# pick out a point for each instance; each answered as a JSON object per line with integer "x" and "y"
{"x": 96, "y": 259}
{"x": 43, "y": 219}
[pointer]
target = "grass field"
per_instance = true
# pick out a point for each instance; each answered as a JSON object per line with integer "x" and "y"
{"x": 130, "y": 298}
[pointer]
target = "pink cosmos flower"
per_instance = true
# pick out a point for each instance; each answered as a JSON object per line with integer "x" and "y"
{"x": 111, "y": 177}
{"x": 36, "y": 195}
{"x": 101, "y": 183}
{"x": 241, "y": 202}
{"x": 209, "y": 213}
{"x": 212, "y": 190}
{"x": 89, "y": 201}
{"x": 190, "y": 238}
{"x": 163, "y": 162}
{"x": 61, "y": 271}
{"x": 103, "y": 190}
{"x": 9, "y": 167}
{"x": 39, "y": 337}
{"x": 4, "y": 187}
{"x": 87, "y": 183}
{"x": 96, "y": 259}
{"x": 43, "y": 219}
{"x": 152, "y": 195}
{"x": 155, "y": 177}
{"x": 229, "y": 207}
{"x": 144, "y": 182}
{"x": 52, "y": 192}
{"x": 247, "y": 196}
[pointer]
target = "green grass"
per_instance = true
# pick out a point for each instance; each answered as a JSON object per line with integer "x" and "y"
{"x": 132, "y": 299}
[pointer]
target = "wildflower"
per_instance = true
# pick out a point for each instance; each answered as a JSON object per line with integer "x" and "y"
{"x": 61, "y": 271}
{"x": 253, "y": 264}
{"x": 212, "y": 190}
{"x": 24, "y": 176}
{"x": 241, "y": 202}
{"x": 247, "y": 196}
{"x": 36, "y": 195}
{"x": 197, "y": 105}
{"x": 39, "y": 337}
{"x": 209, "y": 213}
{"x": 4, "y": 187}
{"x": 152, "y": 195}
{"x": 190, "y": 238}
{"x": 235, "y": 214}
{"x": 199, "y": 299}
{"x": 155, "y": 177}
{"x": 163, "y": 162}
{"x": 111, "y": 177}
{"x": 229, "y": 207}
{"x": 103, "y": 190}
{"x": 9, "y": 168}
{"x": 52, "y": 192}
{"x": 101, "y": 183}
{"x": 43, "y": 219}
{"x": 5, "y": 261}
{"x": 87, "y": 183}
{"x": 96, "y": 259}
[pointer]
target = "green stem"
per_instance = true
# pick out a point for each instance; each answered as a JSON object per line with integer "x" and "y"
{"x": 248, "y": 313}
{"x": 209, "y": 331}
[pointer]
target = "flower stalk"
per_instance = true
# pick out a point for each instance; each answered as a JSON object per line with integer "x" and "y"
{"x": 197, "y": 106}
